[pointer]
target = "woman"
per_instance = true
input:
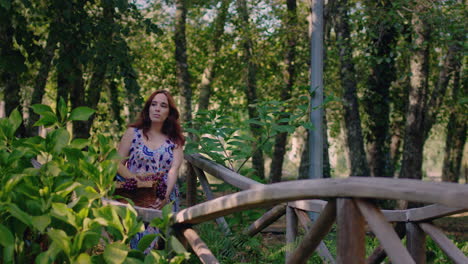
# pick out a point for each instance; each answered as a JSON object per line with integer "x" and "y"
{"x": 153, "y": 147}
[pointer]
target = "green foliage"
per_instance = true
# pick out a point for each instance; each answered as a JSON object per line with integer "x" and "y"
{"x": 54, "y": 213}
{"x": 231, "y": 144}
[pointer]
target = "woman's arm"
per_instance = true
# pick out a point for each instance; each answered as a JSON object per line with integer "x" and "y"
{"x": 172, "y": 176}
{"x": 124, "y": 150}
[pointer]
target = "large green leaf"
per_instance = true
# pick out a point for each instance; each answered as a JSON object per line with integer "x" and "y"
{"x": 41, "y": 222}
{"x": 176, "y": 245}
{"x": 146, "y": 241}
{"x": 8, "y": 242}
{"x": 20, "y": 214}
{"x": 83, "y": 258}
{"x": 61, "y": 239}
{"x": 115, "y": 253}
{"x": 57, "y": 140}
{"x": 41, "y": 109}
{"x": 62, "y": 109}
{"x": 81, "y": 113}
{"x": 15, "y": 120}
{"x": 62, "y": 212}
{"x": 46, "y": 120}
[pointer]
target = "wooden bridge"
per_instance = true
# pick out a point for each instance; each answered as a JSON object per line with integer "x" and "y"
{"x": 349, "y": 204}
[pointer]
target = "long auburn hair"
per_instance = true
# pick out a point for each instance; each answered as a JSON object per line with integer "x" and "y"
{"x": 171, "y": 127}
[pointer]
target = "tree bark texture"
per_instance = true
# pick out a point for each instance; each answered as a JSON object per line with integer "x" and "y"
{"x": 289, "y": 77}
{"x": 115, "y": 106}
{"x": 41, "y": 78}
{"x": 101, "y": 61}
{"x": 376, "y": 100}
{"x": 183, "y": 75}
{"x": 209, "y": 72}
{"x": 353, "y": 131}
{"x": 12, "y": 62}
{"x": 456, "y": 133}
{"x": 414, "y": 128}
{"x": 251, "y": 83}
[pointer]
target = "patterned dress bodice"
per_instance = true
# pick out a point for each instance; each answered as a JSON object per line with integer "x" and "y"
{"x": 143, "y": 159}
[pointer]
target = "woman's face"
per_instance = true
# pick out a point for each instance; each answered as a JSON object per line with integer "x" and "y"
{"x": 159, "y": 108}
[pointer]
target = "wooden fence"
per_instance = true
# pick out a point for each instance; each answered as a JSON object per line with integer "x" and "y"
{"x": 349, "y": 204}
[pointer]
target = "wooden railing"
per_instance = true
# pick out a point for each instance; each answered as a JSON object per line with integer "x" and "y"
{"x": 349, "y": 205}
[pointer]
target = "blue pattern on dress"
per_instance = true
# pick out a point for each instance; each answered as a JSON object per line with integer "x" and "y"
{"x": 143, "y": 159}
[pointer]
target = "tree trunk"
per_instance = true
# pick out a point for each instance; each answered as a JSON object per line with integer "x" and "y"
{"x": 210, "y": 70}
{"x": 450, "y": 65}
{"x": 183, "y": 75}
{"x": 41, "y": 78}
{"x": 251, "y": 84}
{"x": 289, "y": 77}
{"x": 100, "y": 63}
{"x": 353, "y": 134}
{"x": 13, "y": 65}
{"x": 116, "y": 106}
{"x": 419, "y": 65}
{"x": 456, "y": 133}
{"x": 377, "y": 96}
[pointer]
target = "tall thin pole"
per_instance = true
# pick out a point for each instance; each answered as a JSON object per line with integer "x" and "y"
{"x": 316, "y": 88}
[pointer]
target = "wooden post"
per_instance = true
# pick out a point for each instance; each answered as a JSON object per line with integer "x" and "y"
{"x": 314, "y": 236}
{"x": 351, "y": 233}
{"x": 191, "y": 185}
{"x": 416, "y": 242}
{"x": 210, "y": 196}
{"x": 291, "y": 230}
{"x": 267, "y": 219}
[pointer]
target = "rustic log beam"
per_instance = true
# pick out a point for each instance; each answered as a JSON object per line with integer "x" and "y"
{"x": 209, "y": 195}
{"x": 221, "y": 172}
{"x": 291, "y": 231}
{"x": 267, "y": 219}
{"x": 314, "y": 205}
{"x": 315, "y": 235}
{"x": 306, "y": 223}
{"x": 425, "y": 213}
{"x": 384, "y": 232}
{"x": 444, "y": 243}
{"x": 198, "y": 246}
{"x": 350, "y": 231}
{"x": 359, "y": 187}
{"x": 416, "y": 242}
{"x": 379, "y": 253}
{"x": 146, "y": 214}
{"x": 430, "y": 212}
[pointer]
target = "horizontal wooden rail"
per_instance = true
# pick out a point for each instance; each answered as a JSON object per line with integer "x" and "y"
{"x": 380, "y": 188}
{"x": 422, "y": 213}
{"x": 220, "y": 172}
{"x": 146, "y": 214}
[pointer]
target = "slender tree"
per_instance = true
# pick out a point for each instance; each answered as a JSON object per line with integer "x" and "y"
{"x": 209, "y": 72}
{"x": 353, "y": 131}
{"x": 183, "y": 75}
{"x": 376, "y": 100}
{"x": 289, "y": 77}
{"x": 456, "y": 132}
{"x": 251, "y": 81}
{"x": 12, "y": 61}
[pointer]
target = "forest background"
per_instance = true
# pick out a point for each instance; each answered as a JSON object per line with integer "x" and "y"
{"x": 394, "y": 77}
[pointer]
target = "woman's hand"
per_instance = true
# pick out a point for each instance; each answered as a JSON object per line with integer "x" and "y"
{"x": 143, "y": 176}
{"x": 159, "y": 204}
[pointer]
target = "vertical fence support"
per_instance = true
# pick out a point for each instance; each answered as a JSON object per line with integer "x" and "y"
{"x": 416, "y": 242}
{"x": 351, "y": 233}
{"x": 291, "y": 231}
{"x": 191, "y": 185}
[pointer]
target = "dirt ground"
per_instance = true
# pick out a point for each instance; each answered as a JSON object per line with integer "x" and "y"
{"x": 456, "y": 225}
